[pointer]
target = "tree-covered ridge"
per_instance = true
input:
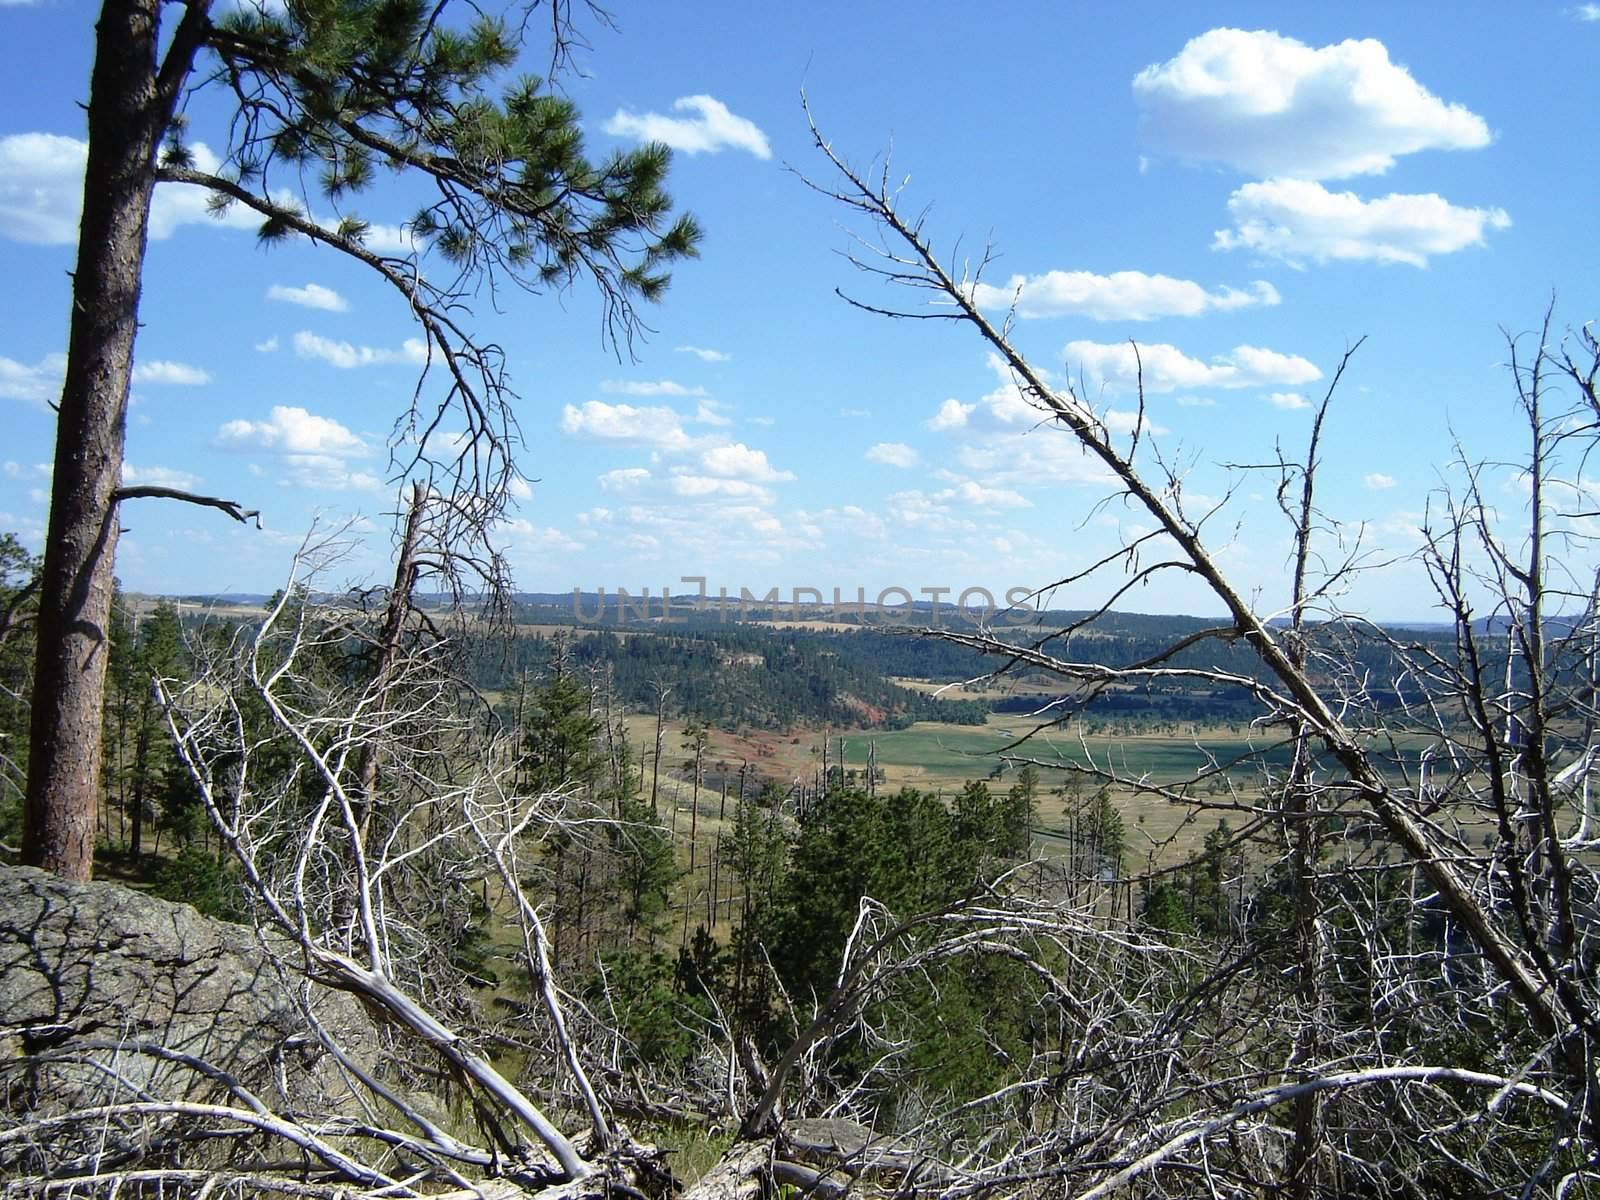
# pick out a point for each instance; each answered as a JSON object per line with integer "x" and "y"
{"x": 769, "y": 676}
{"x": 735, "y": 678}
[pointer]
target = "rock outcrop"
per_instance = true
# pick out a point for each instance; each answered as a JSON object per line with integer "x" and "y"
{"x": 107, "y": 992}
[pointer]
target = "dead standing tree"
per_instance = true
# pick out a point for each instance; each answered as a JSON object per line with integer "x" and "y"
{"x": 1513, "y": 736}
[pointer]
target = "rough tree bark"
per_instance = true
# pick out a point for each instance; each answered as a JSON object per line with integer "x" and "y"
{"x": 130, "y": 106}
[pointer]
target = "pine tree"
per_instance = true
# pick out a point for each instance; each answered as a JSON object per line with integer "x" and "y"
{"x": 19, "y": 572}
{"x": 324, "y": 93}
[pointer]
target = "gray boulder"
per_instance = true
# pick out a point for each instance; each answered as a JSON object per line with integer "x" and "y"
{"x": 103, "y": 988}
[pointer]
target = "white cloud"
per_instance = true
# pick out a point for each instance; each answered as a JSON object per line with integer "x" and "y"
{"x": 1295, "y": 219}
{"x": 977, "y": 494}
{"x": 316, "y": 451}
{"x": 893, "y": 454}
{"x": 312, "y": 295}
{"x": 1050, "y": 458}
{"x": 700, "y": 486}
{"x": 291, "y": 430}
{"x": 41, "y": 196}
{"x": 1166, "y": 368}
{"x": 765, "y": 422}
{"x": 1586, "y": 12}
{"x": 1271, "y": 105}
{"x": 270, "y": 346}
{"x": 707, "y": 412}
{"x": 1121, "y": 296}
{"x": 1120, "y": 421}
{"x": 855, "y": 414}
{"x": 1378, "y": 481}
{"x": 41, "y": 187}
{"x": 347, "y": 357}
{"x": 1196, "y": 402}
{"x": 703, "y": 354}
{"x": 38, "y": 385}
{"x": 645, "y": 425}
{"x": 176, "y": 373}
{"x": 623, "y": 479}
{"x": 918, "y": 509}
{"x": 177, "y": 204}
{"x": 159, "y": 477}
{"x": 526, "y": 536}
{"x": 654, "y": 387}
{"x": 738, "y": 461}
{"x": 1288, "y": 401}
{"x": 952, "y": 414}
{"x": 383, "y": 239}
{"x": 713, "y": 128}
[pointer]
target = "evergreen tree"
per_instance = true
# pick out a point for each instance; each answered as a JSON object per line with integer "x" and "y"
{"x": 138, "y": 769}
{"x": 1105, "y": 836}
{"x": 646, "y": 869}
{"x": 19, "y": 572}
{"x": 323, "y": 93}
{"x": 1020, "y": 815}
{"x": 561, "y": 738}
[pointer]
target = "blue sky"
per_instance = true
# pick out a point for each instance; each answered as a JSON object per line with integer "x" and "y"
{"x": 1245, "y": 190}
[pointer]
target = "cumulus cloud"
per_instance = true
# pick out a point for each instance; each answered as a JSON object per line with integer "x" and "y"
{"x": 1007, "y": 442}
{"x": 316, "y": 451}
{"x": 1379, "y": 482}
{"x": 41, "y": 196}
{"x": 525, "y": 536}
{"x": 158, "y": 477}
{"x": 648, "y": 387}
{"x": 177, "y": 373}
{"x": 291, "y": 430}
{"x": 624, "y": 479}
{"x": 269, "y": 346}
{"x": 41, "y": 192}
{"x": 917, "y": 508}
{"x": 1296, "y": 219}
{"x": 703, "y": 354}
{"x": 312, "y": 295}
{"x": 1120, "y": 421}
{"x": 1121, "y": 296}
{"x": 1586, "y": 12}
{"x": 711, "y": 129}
{"x": 970, "y": 492}
{"x": 347, "y": 357}
{"x": 1273, "y": 106}
{"x": 952, "y": 414}
{"x": 1288, "y": 401}
{"x": 641, "y": 425}
{"x": 697, "y": 487}
{"x": 893, "y": 454}
{"x": 1166, "y": 368}
{"x": 738, "y": 461}
{"x": 41, "y": 187}
{"x": 38, "y": 385}
{"x": 709, "y": 412}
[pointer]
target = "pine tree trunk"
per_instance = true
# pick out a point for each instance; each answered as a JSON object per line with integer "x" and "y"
{"x": 141, "y": 760}
{"x": 126, "y": 121}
